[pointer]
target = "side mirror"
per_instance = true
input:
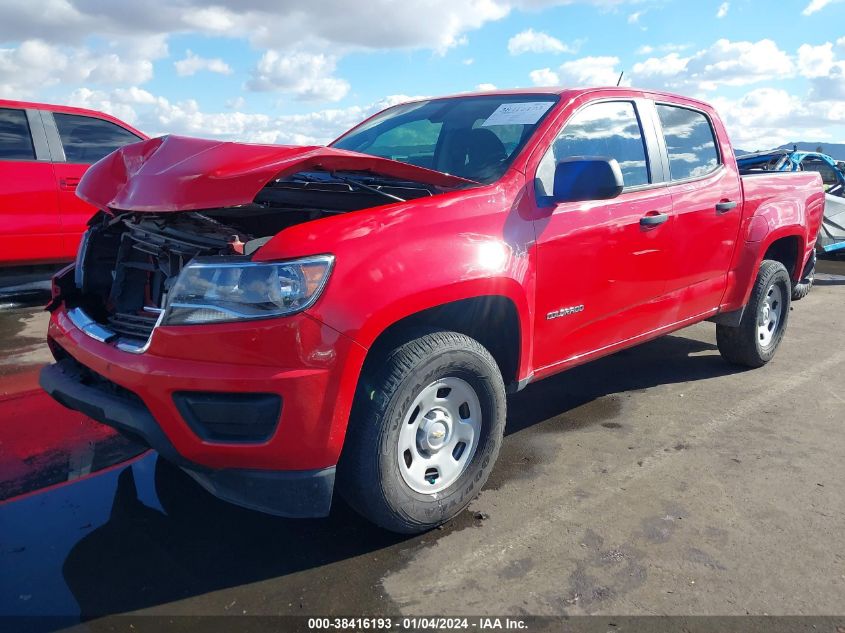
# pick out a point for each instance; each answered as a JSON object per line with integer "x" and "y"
{"x": 586, "y": 178}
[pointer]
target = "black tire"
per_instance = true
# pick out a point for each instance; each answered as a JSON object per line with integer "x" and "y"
{"x": 369, "y": 476}
{"x": 742, "y": 345}
{"x": 802, "y": 288}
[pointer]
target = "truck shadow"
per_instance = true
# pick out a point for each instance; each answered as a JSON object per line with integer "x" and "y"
{"x": 191, "y": 545}
{"x": 143, "y": 557}
{"x": 666, "y": 360}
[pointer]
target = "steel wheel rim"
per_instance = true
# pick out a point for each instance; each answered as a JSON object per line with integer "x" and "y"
{"x": 770, "y": 317}
{"x": 439, "y": 435}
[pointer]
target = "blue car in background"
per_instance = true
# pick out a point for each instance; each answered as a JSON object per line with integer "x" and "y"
{"x": 832, "y": 234}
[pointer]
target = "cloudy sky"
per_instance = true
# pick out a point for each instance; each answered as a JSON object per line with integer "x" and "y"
{"x": 291, "y": 71}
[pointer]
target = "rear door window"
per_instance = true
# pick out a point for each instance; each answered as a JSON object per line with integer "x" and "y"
{"x": 15, "y": 137}
{"x": 86, "y": 139}
{"x": 690, "y": 142}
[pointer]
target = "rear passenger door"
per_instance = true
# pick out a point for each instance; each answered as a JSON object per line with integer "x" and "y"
{"x": 84, "y": 141}
{"x": 707, "y": 208}
{"x": 30, "y": 228}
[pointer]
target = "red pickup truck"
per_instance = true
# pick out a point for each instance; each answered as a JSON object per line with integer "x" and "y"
{"x": 278, "y": 319}
{"x": 44, "y": 150}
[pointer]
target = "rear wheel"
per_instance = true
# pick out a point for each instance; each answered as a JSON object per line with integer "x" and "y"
{"x": 802, "y": 288}
{"x": 753, "y": 343}
{"x": 426, "y": 429}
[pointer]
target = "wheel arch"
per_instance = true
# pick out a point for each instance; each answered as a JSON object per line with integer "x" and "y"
{"x": 492, "y": 320}
{"x": 785, "y": 244}
{"x": 788, "y": 249}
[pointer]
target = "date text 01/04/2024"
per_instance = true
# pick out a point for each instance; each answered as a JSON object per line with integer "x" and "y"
{"x": 414, "y": 623}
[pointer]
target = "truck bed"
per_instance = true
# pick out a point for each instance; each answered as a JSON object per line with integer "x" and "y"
{"x": 793, "y": 193}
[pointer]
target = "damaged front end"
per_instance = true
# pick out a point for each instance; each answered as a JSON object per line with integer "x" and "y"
{"x": 137, "y": 271}
{"x": 173, "y": 264}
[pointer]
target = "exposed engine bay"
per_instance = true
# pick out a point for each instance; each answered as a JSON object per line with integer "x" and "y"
{"x": 129, "y": 261}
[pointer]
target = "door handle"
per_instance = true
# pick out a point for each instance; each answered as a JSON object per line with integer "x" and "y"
{"x": 68, "y": 184}
{"x": 653, "y": 219}
{"x": 725, "y": 206}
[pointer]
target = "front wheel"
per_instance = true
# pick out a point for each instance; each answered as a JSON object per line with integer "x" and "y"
{"x": 425, "y": 431}
{"x": 753, "y": 343}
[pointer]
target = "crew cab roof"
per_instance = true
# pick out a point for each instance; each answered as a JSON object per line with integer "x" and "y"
{"x": 623, "y": 91}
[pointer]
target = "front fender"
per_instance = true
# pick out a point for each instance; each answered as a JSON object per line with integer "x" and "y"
{"x": 394, "y": 261}
{"x": 397, "y": 260}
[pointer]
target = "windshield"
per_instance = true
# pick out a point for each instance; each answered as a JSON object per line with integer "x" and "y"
{"x": 472, "y": 137}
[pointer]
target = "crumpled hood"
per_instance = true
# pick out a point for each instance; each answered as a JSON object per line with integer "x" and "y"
{"x": 177, "y": 173}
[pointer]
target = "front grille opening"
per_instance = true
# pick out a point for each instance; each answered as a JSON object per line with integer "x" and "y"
{"x": 132, "y": 261}
{"x": 133, "y": 326}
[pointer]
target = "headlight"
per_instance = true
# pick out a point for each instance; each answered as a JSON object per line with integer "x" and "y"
{"x": 209, "y": 291}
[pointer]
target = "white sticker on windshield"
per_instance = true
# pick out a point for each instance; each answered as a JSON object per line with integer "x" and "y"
{"x": 518, "y": 113}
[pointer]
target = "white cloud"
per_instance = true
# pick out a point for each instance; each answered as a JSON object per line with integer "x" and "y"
{"x": 531, "y": 41}
{"x": 307, "y": 76}
{"x": 120, "y": 102}
{"x": 587, "y": 71}
{"x": 485, "y": 87}
{"x": 739, "y": 63}
{"x": 115, "y": 43}
{"x": 724, "y": 63}
{"x": 376, "y": 24}
{"x": 34, "y": 65}
{"x": 647, "y": 49}
{"x": 590, "y": 71}
{"x": 112, "y": 69}
{"x": 544, "y": 77}
{"x": 669, "y": 66}
{"x": 768, "y": 117}
{"x": 815, "y": 61}
{"x": 314, "y": 25}
{"x": 634, "y": 18}
{"x": 213, "y": 19}
{"x": 102, "y": 53}
{"x": 723, "y": 10}
{"x": 157, "y": 115}
{"x": 193, "y": 63}
{"x": 817, "y": 5}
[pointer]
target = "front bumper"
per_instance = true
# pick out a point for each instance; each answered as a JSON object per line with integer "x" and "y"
{"x": 296, "y": 494}
{"x": 310, "y": 367}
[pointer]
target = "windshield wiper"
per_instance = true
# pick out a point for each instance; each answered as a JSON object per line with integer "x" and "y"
{"x": 360, "y": 185}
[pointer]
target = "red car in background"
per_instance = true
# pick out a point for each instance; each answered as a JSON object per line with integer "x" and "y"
{"x": 44, "y": 150}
